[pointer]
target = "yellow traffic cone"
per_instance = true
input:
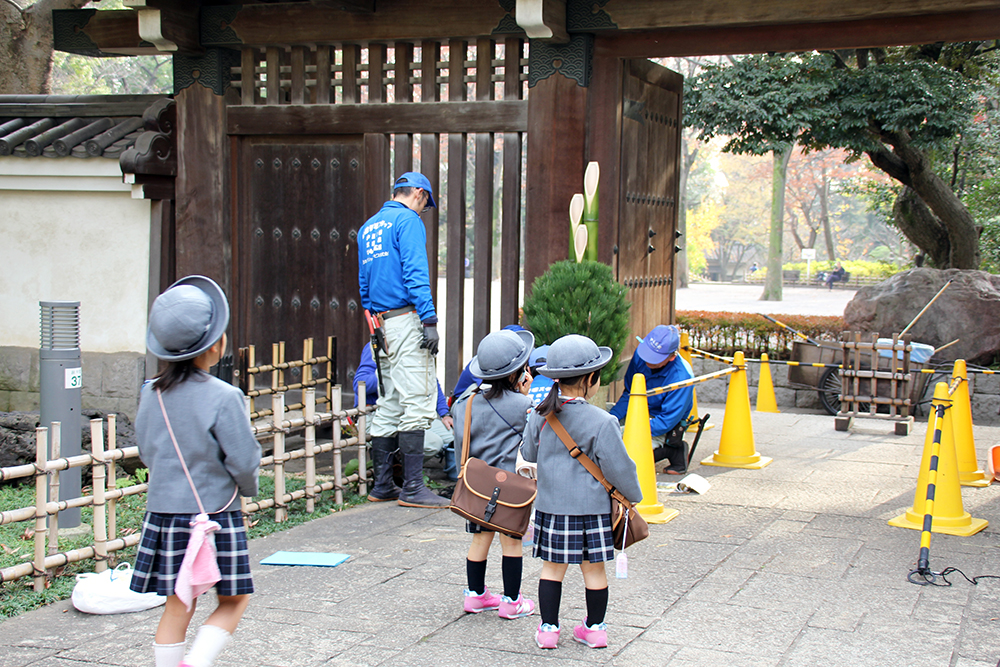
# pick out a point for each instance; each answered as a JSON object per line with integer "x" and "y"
{"x": 969, "y": 472}
{"x": 685, "y": 352}
{"x": 639, "y": 444}
{"x": 765, "y": 388}
{"x": 736, "y": 443}
{"x": 948, "y": 517}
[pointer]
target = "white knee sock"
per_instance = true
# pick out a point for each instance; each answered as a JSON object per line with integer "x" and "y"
{"x": 207, "y": 646}
{"x": 168, "y": 655}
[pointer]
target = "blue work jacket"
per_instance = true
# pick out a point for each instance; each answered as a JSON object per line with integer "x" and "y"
{"x": 665, "y": 410}
{"x": 392, "y": 262}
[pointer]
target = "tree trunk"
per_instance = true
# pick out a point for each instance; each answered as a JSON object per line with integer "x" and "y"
{"x": 910, "y": 166}
{"x": 772, "y": 285}
{"x": 922, "y": 228}
{"x": 26, "y": 46}
{"x": 824, "y": 215}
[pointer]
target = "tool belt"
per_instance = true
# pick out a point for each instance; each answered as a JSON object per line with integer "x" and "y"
{"x": 396, "y": 311}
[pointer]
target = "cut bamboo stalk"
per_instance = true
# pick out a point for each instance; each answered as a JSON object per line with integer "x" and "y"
{"x": 590, "y": 182}
{"x": 100, "y": 527}
{"x": 54, "y": 489}
{"x": 37, "y": 567}
{"x": 112, "y": 479}
{"x": 360, "y": 398}
{"x": 338, "y": 470}
{"x": 310, "y": 411}
{"x": 278, "y": 406}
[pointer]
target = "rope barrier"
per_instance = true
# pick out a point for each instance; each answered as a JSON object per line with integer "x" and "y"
{"x": 728, "y": 360}
{"x": 687, "y": 383}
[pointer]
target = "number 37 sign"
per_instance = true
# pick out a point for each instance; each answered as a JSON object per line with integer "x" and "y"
{"x": 74, "y": 378}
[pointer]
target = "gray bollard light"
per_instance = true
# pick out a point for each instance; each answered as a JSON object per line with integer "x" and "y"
{"x": 61, "y": 384}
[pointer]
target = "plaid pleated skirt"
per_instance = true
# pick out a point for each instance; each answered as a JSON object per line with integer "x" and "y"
{"x": 164, "y": 541}
{"x": 561, "y": 538}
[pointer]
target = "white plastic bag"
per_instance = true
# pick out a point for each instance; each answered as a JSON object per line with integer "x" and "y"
{"x": 108, "y": 593}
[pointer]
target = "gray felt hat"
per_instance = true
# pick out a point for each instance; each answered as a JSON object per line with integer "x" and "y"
{"x": 187, "y": 319}
{"x": 501, "y": 353}
{"x": 574, "y": 355}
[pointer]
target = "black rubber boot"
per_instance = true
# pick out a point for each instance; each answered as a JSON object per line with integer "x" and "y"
{"x": 385, "y": 488}
{"x": 414, "y": 493}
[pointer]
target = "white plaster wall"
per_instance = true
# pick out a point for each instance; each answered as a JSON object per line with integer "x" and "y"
{"x": 70, "y": 231}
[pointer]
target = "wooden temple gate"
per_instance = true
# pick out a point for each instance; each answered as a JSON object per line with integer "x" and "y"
{"x": 294, "y": 116}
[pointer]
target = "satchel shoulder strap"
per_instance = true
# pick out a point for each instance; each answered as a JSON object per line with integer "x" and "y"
{"x": 466, "y": 430}
{"x": 577, "y": 453}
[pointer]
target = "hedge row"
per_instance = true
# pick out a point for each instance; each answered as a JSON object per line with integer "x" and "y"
{"x": 725, "y": 333}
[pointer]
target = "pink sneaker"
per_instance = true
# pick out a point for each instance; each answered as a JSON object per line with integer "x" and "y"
{"x": 519, "y": 608}
{"x": 594, "y": 636}
{"x": 547, "y": 636}
{"x": 479, "y": 602}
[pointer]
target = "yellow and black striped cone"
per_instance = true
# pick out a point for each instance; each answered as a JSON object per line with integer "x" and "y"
{"x": 639, "y": 444}
{"x": 948, "y": 516}
{"x": 969, "y": 472}
{"x": 736, "y": 443}
{"x": 765, "y": 388}
{"x": 685, "y": 352}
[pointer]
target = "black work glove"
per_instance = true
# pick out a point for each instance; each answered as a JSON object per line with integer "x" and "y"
{"x": 431, "y": 338}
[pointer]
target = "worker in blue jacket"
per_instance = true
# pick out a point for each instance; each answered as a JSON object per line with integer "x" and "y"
{"x": 438, "y": 439}
{"x": 657, "y": 359}
{"x": 394, "y": 281}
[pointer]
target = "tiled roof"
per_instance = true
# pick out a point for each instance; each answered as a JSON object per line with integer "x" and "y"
{"x": 80, "y": 126}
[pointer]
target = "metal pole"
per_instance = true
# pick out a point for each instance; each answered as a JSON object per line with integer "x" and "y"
{"x": 61, "y": 385}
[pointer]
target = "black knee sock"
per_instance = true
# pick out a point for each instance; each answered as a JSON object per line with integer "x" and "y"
{"x": 549, "y": 597}
{"x": 597, "y": 605}
{"x": 475, "y": 574}
{"x": 511, "y": 567}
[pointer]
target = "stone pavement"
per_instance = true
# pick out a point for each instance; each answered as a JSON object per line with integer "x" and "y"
{"x": 743, "y": 298}
{"x": 791, "y": 566}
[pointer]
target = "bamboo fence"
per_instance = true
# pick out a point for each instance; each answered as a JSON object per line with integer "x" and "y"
{"x": 275, "y": 424}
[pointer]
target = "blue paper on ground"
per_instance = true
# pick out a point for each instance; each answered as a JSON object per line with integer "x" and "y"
{"x": 317, "y": 559}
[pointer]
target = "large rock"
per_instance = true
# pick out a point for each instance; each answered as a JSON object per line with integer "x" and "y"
{"x": 17, "y": 439}
{"x": 968, "y": 310}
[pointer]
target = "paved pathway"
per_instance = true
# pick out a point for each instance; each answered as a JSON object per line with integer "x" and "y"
{"x": 789, "y": 566}
{"x": 742, "y": 298}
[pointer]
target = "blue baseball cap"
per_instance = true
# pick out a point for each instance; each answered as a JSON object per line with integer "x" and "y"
{"x": 414, "y": 179}
{"x": 538, "y": 356}
{"x": 659, "y": 344}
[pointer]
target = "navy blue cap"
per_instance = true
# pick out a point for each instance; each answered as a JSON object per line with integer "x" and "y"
{"x": 414, "y": 179}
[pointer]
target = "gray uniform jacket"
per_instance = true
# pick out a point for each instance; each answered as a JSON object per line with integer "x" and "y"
{"x": 564, "y": 485}
{"x": 213, "y": 432}
{"x": 493, "y": 441}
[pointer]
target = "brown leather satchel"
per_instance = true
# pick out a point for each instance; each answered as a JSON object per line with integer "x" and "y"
{"x": 491, "y": 497}
{"x": 627, "y": 524}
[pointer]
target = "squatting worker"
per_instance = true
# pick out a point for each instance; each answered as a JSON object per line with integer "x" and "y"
{"x": 395, "y": 286}
{"x": 657, "y": 359}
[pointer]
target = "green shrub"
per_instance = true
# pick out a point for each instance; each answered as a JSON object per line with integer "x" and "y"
{"x": 857, "y": 269}
{"x": 580, "y": 298}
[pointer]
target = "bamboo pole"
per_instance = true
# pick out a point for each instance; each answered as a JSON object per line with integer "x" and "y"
{"x": 65, "y": 557}
{"x": 280, "y": 512}
{"x": 28, "y": 469}
{"x": 112, "y": 478}
{"x": 54, "y": 489}
{"x": 37, "y": 567}
{"x": 338, "y": 469}
{"x": 251, "y": 360}
{"x": 310, "y": 411}
{"x": 924, "y": 310}
{"x": 361, "y": 398}
{"x": 100, "y": 526}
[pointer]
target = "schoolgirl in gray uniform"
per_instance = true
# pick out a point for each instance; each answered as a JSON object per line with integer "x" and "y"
{"x": 572, "y": 509}
{"x": 499, "y": 412}
{"x": 187, "y": 326}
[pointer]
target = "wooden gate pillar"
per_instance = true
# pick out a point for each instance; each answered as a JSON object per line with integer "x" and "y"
{"x": 558, "y": 76}
{"x": 203, "y": 226}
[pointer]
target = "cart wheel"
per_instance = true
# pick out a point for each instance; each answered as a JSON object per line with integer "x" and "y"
{"x": 829, "y": 390}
